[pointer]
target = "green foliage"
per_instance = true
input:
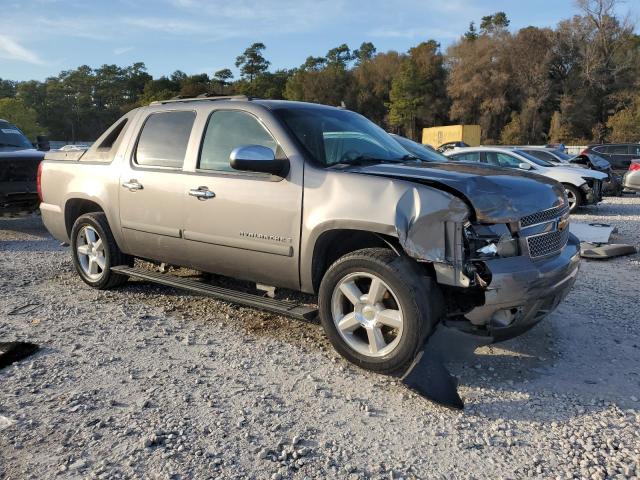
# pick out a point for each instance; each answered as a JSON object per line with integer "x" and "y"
{"x": 418, "y": 92}
{"x": 512, "y": 132}
{"x": 26, "y": 119}
{"x": 625, "y": 124}
{"x": 575, "y": 83}
{"x": 472, "y": 33}
{"x": 494, "y": 23}
{"x": 365, "y": 53}
{"x": 252, "y": 63}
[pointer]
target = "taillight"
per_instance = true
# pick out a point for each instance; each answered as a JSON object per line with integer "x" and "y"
{"x": 39, "y": 182}
{"x": 634, "y": 166}
{"x": 584, "y": 152}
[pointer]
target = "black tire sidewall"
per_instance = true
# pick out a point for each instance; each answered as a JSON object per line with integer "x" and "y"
{"x": 92, "y": 221}
{"x": 406, "y": 284}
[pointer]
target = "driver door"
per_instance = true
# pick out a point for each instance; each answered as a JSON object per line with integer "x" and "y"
{"x": 248, "y": 226}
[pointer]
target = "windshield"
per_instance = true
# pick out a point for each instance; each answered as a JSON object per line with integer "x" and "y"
{"x": 537, "y": 161}
{"x": 420, "y": 151}
{"x": 12, "y": 138}
{"x": 563, "y": 156}
{"x": 335, "y": 137}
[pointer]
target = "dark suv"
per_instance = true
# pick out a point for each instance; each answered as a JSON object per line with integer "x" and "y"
{"x": 19, "y": 162}
{"x": 619, "y": 155}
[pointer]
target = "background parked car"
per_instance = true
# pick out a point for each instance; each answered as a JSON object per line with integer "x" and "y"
{"x": 619, "y": 155}
{"x": 445, "y": 147}
{"x": 583, "y": 186}
{"x": 19, "y": 162}
{"x": 611, "y": 186}
{"x": 632, "y": 177}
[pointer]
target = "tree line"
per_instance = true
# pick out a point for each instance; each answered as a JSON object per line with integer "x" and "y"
{"x": 576, "y": 83}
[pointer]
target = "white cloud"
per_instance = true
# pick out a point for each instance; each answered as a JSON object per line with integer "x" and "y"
{"x": 122, "y": 50}
{"x": 12, "y": 50}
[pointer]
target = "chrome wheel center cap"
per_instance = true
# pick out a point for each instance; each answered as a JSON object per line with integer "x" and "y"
{"x": 369, "y": 313}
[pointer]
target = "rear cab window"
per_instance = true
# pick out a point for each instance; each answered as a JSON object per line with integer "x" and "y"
{"x": 164, "y": 139}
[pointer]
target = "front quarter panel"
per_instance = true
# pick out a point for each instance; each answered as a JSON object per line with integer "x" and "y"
{"x": 419, "y": 216}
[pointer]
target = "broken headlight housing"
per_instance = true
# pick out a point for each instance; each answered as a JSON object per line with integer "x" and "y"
{"x": 490, "y": 241}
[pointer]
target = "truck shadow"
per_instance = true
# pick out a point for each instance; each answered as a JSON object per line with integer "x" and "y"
{"x": 31, "y": 225}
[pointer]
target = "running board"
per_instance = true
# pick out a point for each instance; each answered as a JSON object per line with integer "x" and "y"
{"x": 289, "y": 309}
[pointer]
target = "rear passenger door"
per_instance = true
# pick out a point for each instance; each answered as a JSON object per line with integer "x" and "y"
{"x": 151, "y": 187}
{"x": 248, "y": 226}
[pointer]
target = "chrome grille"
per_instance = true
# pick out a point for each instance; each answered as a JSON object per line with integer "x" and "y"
{"x": 547, "y": 243}
{"x": 544, "y": 216}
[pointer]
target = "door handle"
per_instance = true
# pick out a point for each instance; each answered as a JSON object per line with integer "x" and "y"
{"x": 202, "y": 193}
{"x": 132, "y": 185}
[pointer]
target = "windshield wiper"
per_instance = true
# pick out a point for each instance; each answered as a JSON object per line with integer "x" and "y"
{"x": 2, "y": 144}
{"x": 366, "y": 160}
{"x": 363, "y": 160}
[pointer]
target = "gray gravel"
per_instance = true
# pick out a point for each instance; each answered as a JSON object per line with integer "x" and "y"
{"x": 145, "y": 381}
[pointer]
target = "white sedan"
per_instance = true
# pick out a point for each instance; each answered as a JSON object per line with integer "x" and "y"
{"x": 583, "y": 186}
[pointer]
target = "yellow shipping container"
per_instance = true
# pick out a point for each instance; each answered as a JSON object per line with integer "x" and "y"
{"x": 436, "y": 136}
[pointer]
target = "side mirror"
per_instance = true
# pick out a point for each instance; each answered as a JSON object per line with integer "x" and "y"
{"x": 257, "y": 158}
{"x": 42, "y": 143}
{"x": 524, "y": 166}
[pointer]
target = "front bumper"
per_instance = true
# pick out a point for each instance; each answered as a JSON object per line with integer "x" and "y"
{"x": 613, "y": 185}
{"x": 632, "y": 180}
{"x": 522, "y": 292}
{"x": 592, "y": 192}
{"x": 18, "y": 203}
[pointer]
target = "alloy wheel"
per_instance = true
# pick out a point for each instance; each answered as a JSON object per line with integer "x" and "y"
{"x": 91, "y": 253}
{"x": 367, "y": 314}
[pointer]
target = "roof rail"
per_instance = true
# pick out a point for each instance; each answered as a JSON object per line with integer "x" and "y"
{"x": 203, "y": 97}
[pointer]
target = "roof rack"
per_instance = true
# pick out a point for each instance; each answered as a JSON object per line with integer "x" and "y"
{"x": 203, "y": 97}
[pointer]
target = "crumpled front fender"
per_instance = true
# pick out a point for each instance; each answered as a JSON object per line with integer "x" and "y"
{"x": 429, "y": 224}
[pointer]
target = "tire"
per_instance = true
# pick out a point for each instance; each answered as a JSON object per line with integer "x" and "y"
{"x": 95, "y": 267}
{"x": 371, "y": 335}
{"x": 575, "y": 193}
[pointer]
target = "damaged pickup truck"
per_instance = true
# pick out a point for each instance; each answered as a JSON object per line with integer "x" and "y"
{"x": 320, "y": 200}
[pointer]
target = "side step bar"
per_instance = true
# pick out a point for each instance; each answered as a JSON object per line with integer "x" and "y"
{"x": 289, "y": 309}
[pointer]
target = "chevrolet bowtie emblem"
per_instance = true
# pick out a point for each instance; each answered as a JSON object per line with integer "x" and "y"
{"x": 563, "y": 223}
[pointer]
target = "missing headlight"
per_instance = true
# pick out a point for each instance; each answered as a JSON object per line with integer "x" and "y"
{"x": 487, "y": 241}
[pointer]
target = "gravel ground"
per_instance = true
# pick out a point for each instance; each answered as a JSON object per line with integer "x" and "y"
{"x": 145, "y": 381}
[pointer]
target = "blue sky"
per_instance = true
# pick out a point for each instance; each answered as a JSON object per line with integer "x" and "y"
{"x": 39, "y": 38}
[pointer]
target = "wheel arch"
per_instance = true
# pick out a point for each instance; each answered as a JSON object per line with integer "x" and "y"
{"x": 333, "y": 244}
{"x": 74, "y": 208}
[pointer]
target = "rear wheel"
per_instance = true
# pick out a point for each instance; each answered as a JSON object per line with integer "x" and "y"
{"x": 574, "y": 195}
{"x": 377, "y": 309}
{"x": 94, "y": 252}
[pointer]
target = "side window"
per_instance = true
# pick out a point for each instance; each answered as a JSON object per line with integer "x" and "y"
{"x": 113, "y": 136}
{"x": 635, "y": 151}
{"x": 618, "y": 150}
{"x": 467, "y": 157}
{"x": 164, "y": 139}
{"x": 542, "y": 155}
{"x": 227, "y": 130}
{"x": 502, "y": 160}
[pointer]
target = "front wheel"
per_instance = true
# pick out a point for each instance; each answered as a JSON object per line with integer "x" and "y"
{"x": 574, "y": 195}
{"x": 378, "y": 308}
{"x": 94, "y": 252}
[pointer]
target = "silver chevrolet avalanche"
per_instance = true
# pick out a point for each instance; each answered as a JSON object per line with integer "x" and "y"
{"x": 320, "y": 200}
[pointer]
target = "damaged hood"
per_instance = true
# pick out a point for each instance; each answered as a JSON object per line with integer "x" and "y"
{"x": 497, "y": 195}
